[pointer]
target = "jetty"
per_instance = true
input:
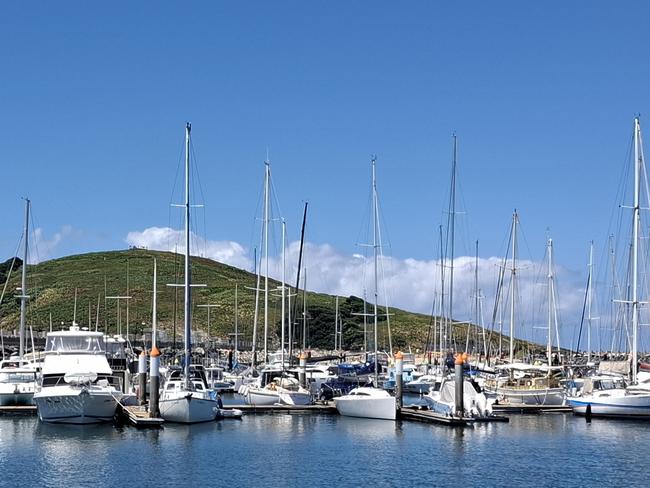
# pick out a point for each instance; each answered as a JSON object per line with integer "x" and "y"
{"x": 530, "y": 409}
{"x": 139, "y": 416}
{"x": 18, "y": 410}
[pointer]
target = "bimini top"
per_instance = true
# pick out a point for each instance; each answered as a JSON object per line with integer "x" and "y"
{"x": 75, "y": 341}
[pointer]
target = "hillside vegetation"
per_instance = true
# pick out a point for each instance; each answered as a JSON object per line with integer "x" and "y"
{"x": 52, "y": 285}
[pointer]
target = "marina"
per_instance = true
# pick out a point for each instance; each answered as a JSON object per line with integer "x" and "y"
{"x": 335, "y": 244}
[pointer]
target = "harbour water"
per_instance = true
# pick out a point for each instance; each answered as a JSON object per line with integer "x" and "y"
{"x": 326, "y": 450}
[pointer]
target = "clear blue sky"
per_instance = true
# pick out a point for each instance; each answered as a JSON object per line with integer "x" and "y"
{"x": 94, "y": 97}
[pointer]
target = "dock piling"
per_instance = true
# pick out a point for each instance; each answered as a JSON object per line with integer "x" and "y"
{"x": 302, "y": 374}
{"x": 142, "y": 378}
{"x": 459, "y": 385}
{"x": 399, "y": 368}
{"x": 154, "y": 379}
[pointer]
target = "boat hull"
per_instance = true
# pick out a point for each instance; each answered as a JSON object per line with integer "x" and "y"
{"x": 188, "y": 409}
{"x": 295, "y": 397}
{"x": 75, "y": 406}
{"x": 636, "y": 406}
{"x": 370, "y": 407}
{"x": 261, "y": 396}
{"x": 542, "y": 396}
{"x": 17, "y": 394}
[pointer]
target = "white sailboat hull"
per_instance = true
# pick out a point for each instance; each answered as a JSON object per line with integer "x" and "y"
{"x": 540, "y": 396}
{"x": 288, "y": 397}
{"x": 262, "y": 396}
{"x": 616, "y": 404}
{"x": 371, "y": 403}
{"x": 69, "y": 405}
{"x": 188, "y": 408}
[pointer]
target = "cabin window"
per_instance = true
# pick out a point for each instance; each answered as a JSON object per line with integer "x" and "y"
{"x": 72, "y": 344}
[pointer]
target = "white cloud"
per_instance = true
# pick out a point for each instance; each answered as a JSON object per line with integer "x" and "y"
{"x": 409, "y": 284}
{"x": 167, "y": 239}
{"x": 43, "y": 248}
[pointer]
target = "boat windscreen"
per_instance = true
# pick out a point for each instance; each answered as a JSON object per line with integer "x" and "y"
{"x": 75, "y": 344}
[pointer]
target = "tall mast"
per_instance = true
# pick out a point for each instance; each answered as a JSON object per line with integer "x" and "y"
{"x": 442, "y": 319}
{"x": 23, "y": 284}
{"x": 284, "y": 269}
{"x": 452, "y": 233}
{"x": 267, "y": 174}
{"x": 589, "y": 299}
{"x": 375, "y": 244}
{"x": 365, "y": 323}
{"x": 336, "y": 324}
{"x": 513, "y": 284}
{"x": 550, "y": 302}
{"x": 236, "y": 322}
{"x": 295, "y": 303}
{"x": 304, "y": 310}
{"x": 188, "y": 290}
{"x": 638, "y": 161}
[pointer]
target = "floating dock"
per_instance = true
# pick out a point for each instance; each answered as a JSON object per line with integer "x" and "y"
{"x": 530, "y": 409}
{"x": 327, "y": 408}
{"x": 18, "y": 410}
{"x": 421, "y": 415}
{"x": 139, "y": 416}
{"x": 433, "y": 418}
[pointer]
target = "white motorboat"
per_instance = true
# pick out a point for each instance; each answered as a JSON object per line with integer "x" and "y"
{"x": 367, "y": 402}
{"x": 185, "y": 397}
{"x": 610, "y": 396}
{"x": 17, "y": 382}
{"x": 77, "y": 384}
{"x": 443, "y": 401}
{"x": 424, "y": 384}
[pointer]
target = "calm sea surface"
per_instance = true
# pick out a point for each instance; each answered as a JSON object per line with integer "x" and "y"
{"x": 327, "y": 450}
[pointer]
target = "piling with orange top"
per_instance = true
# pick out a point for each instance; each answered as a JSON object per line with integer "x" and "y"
{"x": 154, "y": 382}
{"x": 459, "y": 386}
{"x": 399, "y": 369}
{"x": 142, "y": 377}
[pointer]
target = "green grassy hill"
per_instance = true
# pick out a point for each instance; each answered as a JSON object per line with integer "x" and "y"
{"x": 52, "y": 284}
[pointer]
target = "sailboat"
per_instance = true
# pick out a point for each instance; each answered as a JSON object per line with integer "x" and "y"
{"x": 614, "y": 400}
{"x": 274, "y": 384}
{"x": 185, "y": 397}
{"x": 17, "y": 375}
{"x": 522, "y": 383}
{"x": 370, "y": 402}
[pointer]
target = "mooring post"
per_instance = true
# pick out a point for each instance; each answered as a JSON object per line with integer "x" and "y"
{"x": 142, "y": 377}
{"x": 459, "y": 385}
{"x": 588, "y": 413}
{"x": 399, "y": 368}
{"x": 154, "y": 382}
{"x": 302, "y": 373}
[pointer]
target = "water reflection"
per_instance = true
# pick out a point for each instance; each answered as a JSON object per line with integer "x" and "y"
{"x": 548, "y": 450}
